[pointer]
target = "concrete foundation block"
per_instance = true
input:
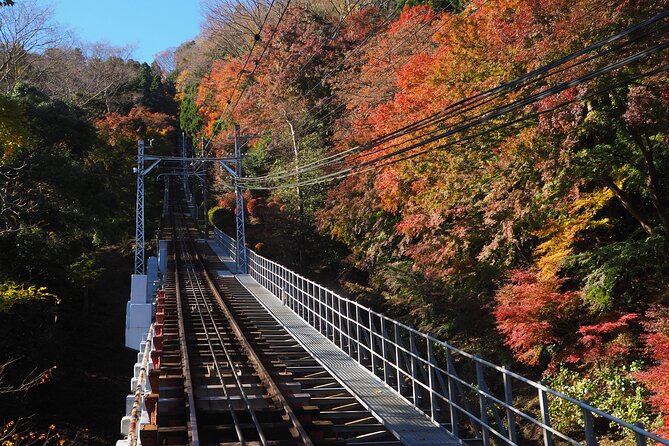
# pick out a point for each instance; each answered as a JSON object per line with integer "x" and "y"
{"x": 129, "y": 401}
{"x": 133, "y": 336}
{"x": 139, "y": 289}
{"x": 125, "y": 425}
{"x": 138, "y": 315}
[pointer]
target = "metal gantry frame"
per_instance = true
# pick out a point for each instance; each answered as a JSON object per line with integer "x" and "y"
{"x": 139, "y": 214}
{"x": 184, "y": 171}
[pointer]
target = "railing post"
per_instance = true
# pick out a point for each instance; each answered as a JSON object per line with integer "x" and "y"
{"x": 372, "y": 333}
{"x": 357, "y": 333}
{"x": 339, "y": 324}
{"x": 398, "y": 368}
{"x": 320, "y": 312}
{"x": 508, "y": 399}
{"x": 310, "y": 303}
{"x": 384, "y": 351}
{"x": 348, "y": 329}
{"x": 300, "y": 287}
{"x": 545, "y": 418}
{"x": 431, "y": 378}
{"x": 640, "y": 439}
{"x": 452, "y": 393}
{"x": 414, "y": 367}
{"x": 483, "y": 405}
{"x": 590, "y": 439}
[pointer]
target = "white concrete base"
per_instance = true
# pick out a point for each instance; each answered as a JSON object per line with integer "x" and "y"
{"x": 125, "y": 425}
{"x": 138, "y": 315}
{"x": 139, "y": 288}
{"x": 133, "y": 337}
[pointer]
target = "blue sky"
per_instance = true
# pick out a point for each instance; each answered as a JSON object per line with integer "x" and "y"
{"x": 148, "y": 25}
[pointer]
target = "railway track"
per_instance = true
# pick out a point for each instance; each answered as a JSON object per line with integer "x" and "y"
{"x": 231, "y": 375}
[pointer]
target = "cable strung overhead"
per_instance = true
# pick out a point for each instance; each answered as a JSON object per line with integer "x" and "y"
{"x": 613, "y": 50}
{"x": 243, "y": 69}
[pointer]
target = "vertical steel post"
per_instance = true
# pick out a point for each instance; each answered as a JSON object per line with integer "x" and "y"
{"x": 431, "y": 378}
{"x": 508, "y": 399}
{"x": 384, "y": 351}
{"x": 184, "y": 167}
{"x": 339, "y": 324}
{"x": 543, "y": 406}
{"x": 588, "y": 424}
{"x": 483, "y": 404}
{"x": 240, "y": 245}
{"x": 166, "y": 196}
{"x": 640, "y": 439}
{"x": 139, "y": 211}
{"x": 414, "y": 368}
{"x": 372, "y": 335}
{"x": 357, "y": 333}
{"x": 452, "y": 392}
{"x": 398, "y": 367}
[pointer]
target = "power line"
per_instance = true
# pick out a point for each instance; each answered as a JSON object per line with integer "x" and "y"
{"x": 457, "y": 107}
{"x": 255, "y": 67}
{"x": 256, "y": 39}
{"x": 496, "y": 113}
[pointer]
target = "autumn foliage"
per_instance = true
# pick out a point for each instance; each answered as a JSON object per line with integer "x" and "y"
{"x": 533, "y": 314}
{"x": 551, "y": 231}
{"x": 657, "y": 376}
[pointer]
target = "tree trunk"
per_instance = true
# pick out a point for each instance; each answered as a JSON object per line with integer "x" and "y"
{"x": 653, "y": 183}
{"x": 301, "y": 241}
{"x": 627, "y": 204}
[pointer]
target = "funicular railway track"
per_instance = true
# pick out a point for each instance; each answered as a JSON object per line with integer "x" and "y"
{"x": 231, "y": 375}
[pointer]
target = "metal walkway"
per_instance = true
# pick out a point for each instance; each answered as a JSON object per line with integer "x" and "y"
{"x": 409, "y": 424}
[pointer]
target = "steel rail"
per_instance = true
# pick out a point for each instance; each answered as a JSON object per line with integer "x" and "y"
{"x": 191, "y": 271}
{"x": 185, "y": 365}
{"x": 273, "y": 390}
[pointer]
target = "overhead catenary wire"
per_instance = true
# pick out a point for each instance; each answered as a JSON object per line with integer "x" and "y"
{"x": 262, "y": 54}
{"x": 357, "y": 171}
{"x": 256, "y": 39}
{"x": 338, "y": 157}
{"x": 387, "y": 53}
{"x": 497, "y": 113}
{"x": 515, "y": 82}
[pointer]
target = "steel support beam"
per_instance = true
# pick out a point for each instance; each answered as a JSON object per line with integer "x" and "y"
{"x": 240, "y": 242}
{"x": 139, "y": 212}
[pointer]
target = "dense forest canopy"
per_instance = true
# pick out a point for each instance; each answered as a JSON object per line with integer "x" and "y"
{"x": 551, "y": 232}
{"x": 538, "y": 237}
{"x": 70, "y": 117}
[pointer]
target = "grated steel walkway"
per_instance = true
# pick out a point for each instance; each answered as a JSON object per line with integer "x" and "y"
{"x": 410, "y": 425}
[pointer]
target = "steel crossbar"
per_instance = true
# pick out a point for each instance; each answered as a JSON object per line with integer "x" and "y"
{"x": 471, "y": 397}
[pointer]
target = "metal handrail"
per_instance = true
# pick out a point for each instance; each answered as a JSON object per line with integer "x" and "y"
{"x": 421, "y": 380}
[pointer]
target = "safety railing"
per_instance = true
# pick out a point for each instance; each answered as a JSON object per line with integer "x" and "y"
{"x": 473, "y": 398}
{"x": 226, "y": 242}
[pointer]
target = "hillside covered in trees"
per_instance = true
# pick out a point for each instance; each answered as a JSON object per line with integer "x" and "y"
{"x": 537, "y": 238}
{"x": 70, "y": 117}
{"x": 542, "y": 245}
